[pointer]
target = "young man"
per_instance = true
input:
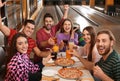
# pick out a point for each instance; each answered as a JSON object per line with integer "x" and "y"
{"x": 45, "y": 34}
{"x": 108, "y": 68}
{"x": 28, "y": 29}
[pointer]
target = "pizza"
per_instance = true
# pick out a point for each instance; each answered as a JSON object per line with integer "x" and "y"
{"x": 64, "y": 62}
{"x": 70, "y": 73}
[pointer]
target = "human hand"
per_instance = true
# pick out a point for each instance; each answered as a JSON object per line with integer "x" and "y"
{"x": 2, "y": 4}
{"x": 97, "y": 71}
{"x": 74, "y": 52}
{"x": 61, "y": 45}
{"x": 66, "y": 7}
{"x": 51, "y": 41}
{"x": 46, "y": 59}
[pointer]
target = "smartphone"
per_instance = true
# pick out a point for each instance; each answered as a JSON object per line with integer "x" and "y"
{"x": 74, "y": 27}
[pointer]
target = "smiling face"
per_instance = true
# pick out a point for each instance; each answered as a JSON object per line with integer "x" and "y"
{"x": 28, "y": 29}
{"x": 86, "y": 36}
{"x": 67, "y": 26}
{"x": 22, "y": 44}
{"x": 104, "y": 44}
{"x": 48, "y": 23}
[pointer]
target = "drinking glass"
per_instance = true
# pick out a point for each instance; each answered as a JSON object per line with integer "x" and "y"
{"x": 55, "y": 39}
{"x": 71, "y": 45}
{"x": 54, "y": 55}
{"x": 65, "y": 42}
{"x": 68, "y": 55}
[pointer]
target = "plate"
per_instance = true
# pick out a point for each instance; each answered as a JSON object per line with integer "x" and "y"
{"x": 70, "y": 73}
{"x": 49, "y": 72}
{"x": 75, "y": 58}
{"x": 64, "y": 62}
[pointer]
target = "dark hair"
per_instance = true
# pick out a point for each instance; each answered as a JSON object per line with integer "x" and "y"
{"x": 29, "y": 21}
{"x": 92, "y": 33}
{"x": 62, "y": 29}
{"x": 108, "y": 32}
{"x": 13, "y": 49}
{"x": 47, "y": 15}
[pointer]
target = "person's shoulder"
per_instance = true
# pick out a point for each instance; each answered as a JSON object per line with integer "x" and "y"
{"x": 40, "y": 30}
{"x": 30, "y": 39}
{"x": 13, "y": 30}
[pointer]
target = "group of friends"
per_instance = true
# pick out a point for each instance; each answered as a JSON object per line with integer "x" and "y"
{"x": 102, "y": 60}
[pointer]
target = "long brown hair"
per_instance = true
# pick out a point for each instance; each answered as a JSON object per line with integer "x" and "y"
{"x": 92, "y": 33}
{"x": 62, "y": 28}
{"x": 13, "y": 48}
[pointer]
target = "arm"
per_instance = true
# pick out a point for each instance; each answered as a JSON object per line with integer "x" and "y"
{"x": 65, "y": 15}
{"x": 2, "y": 4}
{"x": 41, "y": 53}
{"x": 97, "y": 71}
{"x": 50, "y": 41}
{"x": 95, "y": 55}
{"x": 43, "y": 41}
{"x": 3, "y": 28}
{"x": 66, "y": 9}
{"x": 88, "y": 65}
{"x": 74, "y": 37}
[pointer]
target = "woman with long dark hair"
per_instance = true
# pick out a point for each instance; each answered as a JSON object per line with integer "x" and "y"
{"x": 89, "y": 50}
{"x": 89, "y": 35}
{"x": 19, "y": 67}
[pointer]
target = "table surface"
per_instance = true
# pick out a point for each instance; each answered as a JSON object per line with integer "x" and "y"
{"x": 50, "y": 66}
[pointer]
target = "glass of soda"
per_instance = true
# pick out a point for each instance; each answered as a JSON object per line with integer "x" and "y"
{"x": 54, "y": 55}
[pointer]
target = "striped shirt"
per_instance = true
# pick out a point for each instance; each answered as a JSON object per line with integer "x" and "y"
{"x": 111, "y": 66}
{"x": 19, "y": 67}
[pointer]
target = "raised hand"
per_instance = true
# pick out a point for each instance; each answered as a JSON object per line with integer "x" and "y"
{"x": 2, "y": 4}
{"x": 66, "y": 7}
{"x": 46, "y": 59}
{"x": 51, "y": 41}
{"x": 75, "y": 53}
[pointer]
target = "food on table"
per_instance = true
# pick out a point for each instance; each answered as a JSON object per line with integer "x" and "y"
{"x": 64, "y": 62}
{"x": 70, "y": 73}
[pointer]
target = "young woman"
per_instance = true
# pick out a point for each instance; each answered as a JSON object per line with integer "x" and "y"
{"x": 19, "y": 67}
{"x": 66, "y": 34}
{"x": 89, "y": 48}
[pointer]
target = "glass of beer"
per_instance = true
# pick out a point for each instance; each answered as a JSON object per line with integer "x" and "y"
{"x": 68, "y": 55}
{"x": 71, "y": 45}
